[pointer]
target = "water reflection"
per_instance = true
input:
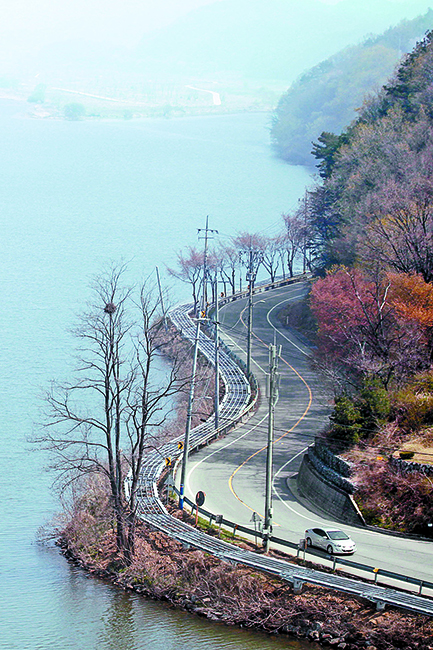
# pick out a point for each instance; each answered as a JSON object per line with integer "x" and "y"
{"x": 132, "y": 622}
{"x": 96, "y": 615}
{"x": 119, "y": 631}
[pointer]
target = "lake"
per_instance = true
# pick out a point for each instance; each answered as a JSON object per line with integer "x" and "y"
{"x": 75, "y": 197}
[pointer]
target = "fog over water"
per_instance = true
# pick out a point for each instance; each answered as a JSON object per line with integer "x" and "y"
{"x": 76, "y": 195}
{"x": 126, "y": 22}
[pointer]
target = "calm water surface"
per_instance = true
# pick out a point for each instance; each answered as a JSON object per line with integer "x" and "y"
{"x": 74, "y": 196}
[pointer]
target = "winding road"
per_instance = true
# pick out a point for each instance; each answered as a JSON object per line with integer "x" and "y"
{"x": 231, "y": 471}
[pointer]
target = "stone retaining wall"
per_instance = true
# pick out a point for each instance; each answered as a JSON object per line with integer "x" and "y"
{"x": 327, "y": 496}
{"x": 338, "y": 464}
{"x": 408, "y": 466}
{"x": 325, "y": 469}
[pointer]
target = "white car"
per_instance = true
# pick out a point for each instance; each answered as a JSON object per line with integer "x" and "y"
{"x": 330, "y": 540}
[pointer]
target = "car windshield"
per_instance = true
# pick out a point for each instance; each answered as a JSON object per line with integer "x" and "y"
{"x": 337, "y": 534}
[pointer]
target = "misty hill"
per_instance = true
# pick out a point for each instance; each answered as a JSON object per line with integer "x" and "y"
{"x": 248, "y": 51}
{"x": 326, "y": 97}
{"x": 276, "y": 39}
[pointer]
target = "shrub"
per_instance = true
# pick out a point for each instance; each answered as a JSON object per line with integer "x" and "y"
{"x": 393, "y": 500}
{"x": 374, "y": 405}
{"x": 413, "y": 405}
{"x": 346, "y": 421}
{"x": 38, "y": 95}
{"x": 412, "y": 410}
{"x": 423, "y": 383}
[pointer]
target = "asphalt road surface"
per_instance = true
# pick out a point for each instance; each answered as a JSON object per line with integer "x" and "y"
{"x": 231, "y": 471}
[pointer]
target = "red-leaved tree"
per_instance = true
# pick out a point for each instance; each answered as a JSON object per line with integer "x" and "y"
{"x": 412, "y": 299}
{"x": 359, "y": 330}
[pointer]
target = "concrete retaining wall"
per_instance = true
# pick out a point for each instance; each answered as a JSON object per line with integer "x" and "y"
{"x": 326, "y": 496}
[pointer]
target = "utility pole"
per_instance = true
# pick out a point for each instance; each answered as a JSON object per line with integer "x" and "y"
{"x": 217, "y": 357}
{"x": 250, "y": 312}
{"x": 305, "y": 233}
{"x": 251, "y": 259}
{"x": 189, "y": 417}
{"x": 206, "y": 230}
{"x": 274, "y": 354}
{"x": 198, "y": 317}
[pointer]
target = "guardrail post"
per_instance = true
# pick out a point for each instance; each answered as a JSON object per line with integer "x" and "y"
{"x": 420, "y": 587}
{"x": 297, "y": 586}
{"x": 302, "y": 546}
{"x": 219, "y": 521}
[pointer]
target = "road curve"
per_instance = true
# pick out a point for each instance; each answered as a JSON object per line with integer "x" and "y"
{"x": 232, "y": 471}
{"x": 154, "y": 513}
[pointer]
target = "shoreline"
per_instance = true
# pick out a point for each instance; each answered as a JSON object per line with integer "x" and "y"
{"x": 98, "y": 107}
{"x": 203, "y": 585}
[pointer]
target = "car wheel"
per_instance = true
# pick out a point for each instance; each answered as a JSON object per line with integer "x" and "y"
{"x": 309, "y": 543}
{"x": 329, "y": 550}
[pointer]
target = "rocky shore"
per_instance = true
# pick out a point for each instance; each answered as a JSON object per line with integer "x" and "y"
{"x": 237, "y": 595}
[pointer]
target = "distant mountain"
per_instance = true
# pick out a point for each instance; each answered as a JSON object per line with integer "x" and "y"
{"x": 326, "y": 97}
{"x": 248, "y": 51}
{"x": 266, "y": 39}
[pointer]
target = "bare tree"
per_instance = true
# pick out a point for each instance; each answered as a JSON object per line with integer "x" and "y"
{"x": 271, "y": 256}
{"x": 248, "y": 240}
{"x": 104, "y": 420}
{"x": 190, "y": 269}
{"x": 282, "y": 252}
{"x": 297, "y": 238}
{"x": 292, "y": 239}
{"x": 228, "y": 266}
{"x": 401, "y": 236}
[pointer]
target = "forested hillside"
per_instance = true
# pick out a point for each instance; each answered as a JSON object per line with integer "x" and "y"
{"x": 327, "y": 96}
{"x": 376, "y": 197}
{"x": 372, "y": 213}
{"x": 369, "y": 232}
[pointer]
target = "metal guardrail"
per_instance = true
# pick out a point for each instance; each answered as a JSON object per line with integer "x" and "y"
{"x": 237, "y": 402}
{"x": 336, "y": 560}
{"x": 292, "y": 573}
{"x": 264, "y": 286}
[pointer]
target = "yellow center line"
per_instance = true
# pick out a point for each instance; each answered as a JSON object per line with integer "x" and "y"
{"x": 310, "y": 400}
